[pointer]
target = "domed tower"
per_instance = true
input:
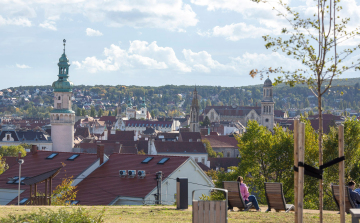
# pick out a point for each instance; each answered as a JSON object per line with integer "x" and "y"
{"x": 267, "y": 105}
{"x": 194, "y": 113}
{"x": 62, "y": 117}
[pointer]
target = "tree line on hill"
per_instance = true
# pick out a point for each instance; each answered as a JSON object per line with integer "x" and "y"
{"x": 173, "y": 100}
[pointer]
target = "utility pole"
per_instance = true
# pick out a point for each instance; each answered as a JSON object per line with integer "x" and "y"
{"x": 20, "y": 161}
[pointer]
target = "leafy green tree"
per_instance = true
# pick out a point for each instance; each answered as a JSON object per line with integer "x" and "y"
{"x": 83, "y": 112}
{"x": 3, "y": 165}
{"x": 12, "y": 151}
{"x": 100, "y": 112}
{"x": 92, "y": 111}
{"x": 109, "y": 113}
{"x": 206, "y": 121}
{"x": 210, "y": 150}
{"x": 64, "y": 193}
{"x": 314, "y": 43}
{"x": 78, "y": 112}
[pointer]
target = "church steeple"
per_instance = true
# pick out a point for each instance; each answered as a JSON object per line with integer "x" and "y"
{"x": 194, "y": 113}
{"x": 62, "y": 117}
{"x": 63, "y": 84}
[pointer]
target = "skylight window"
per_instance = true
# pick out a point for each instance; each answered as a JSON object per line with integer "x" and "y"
{"x": 163, "y": 160}
{"x": 12, "y": 180}
{"x": 147, "y": 159}
{"x": 17, "y": 181}
{"x": 52, "y": 155}
{"x": 23, "y": 201}
{"x": 73, "y": 157}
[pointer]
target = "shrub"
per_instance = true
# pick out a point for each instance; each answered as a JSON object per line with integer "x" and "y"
{"x": 62, "y": 215}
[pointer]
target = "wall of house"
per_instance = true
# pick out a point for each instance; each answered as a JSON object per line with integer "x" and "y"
{"x": 233, "y": 152}
{"x": 197, "y": 180}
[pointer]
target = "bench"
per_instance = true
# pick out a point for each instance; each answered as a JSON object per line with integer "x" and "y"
{"x": 235, "y": 197}
{"x": 336, "y": 195}
{"x": 275, "y": 198}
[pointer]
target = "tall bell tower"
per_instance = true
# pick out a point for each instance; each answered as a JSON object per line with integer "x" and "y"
{"x": 194, "y": 113}
{"x": 62, "y": 117}
{"x": 267, "y": 105}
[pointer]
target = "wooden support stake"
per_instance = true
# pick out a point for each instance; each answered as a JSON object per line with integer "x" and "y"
{"x": 301, "y": 147}
{"x": 50, "y": 192}
{"x": 341, "y": 174}
{"x": 46, "y": 191}
{"x": 296, "y": 160}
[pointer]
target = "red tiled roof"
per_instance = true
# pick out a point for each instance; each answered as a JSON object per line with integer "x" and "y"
{"x": 104, "y": 185}
{"x": 109, "y": 148}
{"x": 10, "y": 161}
{"x": 121, "y": 135}
{"x": 179, "y": 147}
{"x": 187, "y": 136}
{"x": 221, "y": 141}
{"x": 82, "y": 131}
{"x": 108, "y": 119}
{"x": 37, "y": 164}
{"x": 204, "y": 167}
{"x": 223, "y": 162}
{"x": 145, "y": 123}
{"x": 238, "y": 110}
{"x": 129, "y": 150}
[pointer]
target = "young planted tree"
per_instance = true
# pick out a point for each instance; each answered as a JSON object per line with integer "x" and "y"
{"x": 315, "y": 43}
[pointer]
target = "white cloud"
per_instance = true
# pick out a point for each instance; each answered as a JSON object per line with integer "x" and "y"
{"x": 143, "y": 56}
{"x": 48, "y": 25}
{"x": 140, "y": 55}
{"x": 174, "y": 15}
{"x": 22, "y": 66}
{"x": 20, "y": 21}
{"x": 238, "y": 31}
{"x": 92, "y": 32}
{"x": 203, "y": 61}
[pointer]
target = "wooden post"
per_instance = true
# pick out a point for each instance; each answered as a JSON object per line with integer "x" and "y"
{"x": 46, "y": 191}
{"x": 35, "y": 197}
{"x": 341, "y": 174}
{"x": 30, "y": 194}
{"x": 50, "y": 192}
{"x": 296, "y": 160}
{"x": 301, "y": 147}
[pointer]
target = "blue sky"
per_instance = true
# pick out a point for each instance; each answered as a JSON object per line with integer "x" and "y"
{"x": 145, "y": 42}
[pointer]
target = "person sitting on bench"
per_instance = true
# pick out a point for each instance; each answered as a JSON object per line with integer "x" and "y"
{"x": 355, "y": 197}
{"x": 245, "y": 194}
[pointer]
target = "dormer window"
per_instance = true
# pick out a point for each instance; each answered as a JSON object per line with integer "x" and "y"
{"x": 7, "y": 137}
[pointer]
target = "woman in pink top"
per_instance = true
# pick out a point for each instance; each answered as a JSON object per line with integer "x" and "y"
{"x": 245, "y": 194}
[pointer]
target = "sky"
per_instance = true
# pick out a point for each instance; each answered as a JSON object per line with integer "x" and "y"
{"x": 147, "y": 42}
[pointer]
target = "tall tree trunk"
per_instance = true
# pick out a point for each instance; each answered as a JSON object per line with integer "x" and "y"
{"x": 320, "y": 150}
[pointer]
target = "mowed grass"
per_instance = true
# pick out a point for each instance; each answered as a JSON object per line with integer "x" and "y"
{"x": 139, "y": 214}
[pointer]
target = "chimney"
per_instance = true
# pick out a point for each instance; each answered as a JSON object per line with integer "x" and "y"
{"x": 19, "y": 155}
{"x": 100, "y": 153}
{"x": 33, "y": 149}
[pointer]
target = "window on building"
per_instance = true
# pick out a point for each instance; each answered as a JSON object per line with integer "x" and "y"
{"x": 267, "y": 120}
{"x": 23, "y": 201}
{"x": 196, "y": 159}
{"x": 73, "y": 157}
{"x": 52, "y": 155}
{"x": 8, "y": 137}
{"x": 163, "y": 160}
{"x": 59, "y": 98}
{"x": 203, "y": 160}
{"x": 228, "y": 154}
{"x": 147, "y": 159}
{"x": 58, "y": 106}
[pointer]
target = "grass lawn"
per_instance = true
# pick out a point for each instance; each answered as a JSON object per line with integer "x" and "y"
{"x": 139, "y": 214}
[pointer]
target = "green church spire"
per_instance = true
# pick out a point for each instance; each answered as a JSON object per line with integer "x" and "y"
{"x": 63, "y": 84}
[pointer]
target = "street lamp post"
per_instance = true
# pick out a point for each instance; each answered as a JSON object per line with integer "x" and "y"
{"x": 20, "y": 161}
